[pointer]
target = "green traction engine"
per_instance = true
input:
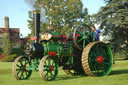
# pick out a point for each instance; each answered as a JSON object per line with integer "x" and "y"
{"x": 77, "y": 53}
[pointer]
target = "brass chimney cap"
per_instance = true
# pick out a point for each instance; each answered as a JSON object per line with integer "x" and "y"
{"x": 36, "y": 11}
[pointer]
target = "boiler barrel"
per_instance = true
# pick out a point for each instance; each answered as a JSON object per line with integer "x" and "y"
{"x": 58, "y": 49}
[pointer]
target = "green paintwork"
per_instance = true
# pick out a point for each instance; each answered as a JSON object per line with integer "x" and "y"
{"x": 58, "y": 48}
{"x": 21, "y": 65}
{"x": 50, "y": 70}
{"x": 55, "y": 35}
{"x": 86, "y": 36}
{"x": 34, "y": 65}
{"x": 103, "y": 68}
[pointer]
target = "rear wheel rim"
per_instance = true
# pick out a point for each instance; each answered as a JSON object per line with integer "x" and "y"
{"x": 97, "y": 59}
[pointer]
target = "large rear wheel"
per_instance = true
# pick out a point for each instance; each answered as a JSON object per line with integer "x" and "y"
{"x": 97, "y": 59}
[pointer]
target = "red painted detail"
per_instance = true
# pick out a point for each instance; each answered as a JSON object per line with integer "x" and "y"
{"x": 48, "y": 57}
{"x": 56, "y": 36}
{"x": 33, "y": 38}
{"x": 52, "y": 53}
{"x": 99, "y": 59}
{"x": 64, "y": 38}
{"x": 75, "y": 38}
{"x": 78, "y": 35}
{"x": 51, "y": 68}
{"x": 24, "y": 68}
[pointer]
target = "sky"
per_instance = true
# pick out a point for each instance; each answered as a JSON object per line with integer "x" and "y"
{"x": 17, "y": 11}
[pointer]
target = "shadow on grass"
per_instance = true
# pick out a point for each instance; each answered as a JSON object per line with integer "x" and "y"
{"x": 117, "y": 72}
{"x": 5, "y": 71}
{"x": 67, "y": 77}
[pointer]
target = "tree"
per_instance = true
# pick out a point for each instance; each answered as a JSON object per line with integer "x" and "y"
{"x": 113, "y": 20}
{"x": 6, "y": 44}
{"x": 64, "y": 14}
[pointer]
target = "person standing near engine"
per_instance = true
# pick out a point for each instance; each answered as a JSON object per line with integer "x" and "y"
{"x": 97, "y": 33}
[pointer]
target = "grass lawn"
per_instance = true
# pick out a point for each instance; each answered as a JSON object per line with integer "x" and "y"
{"x": 118, "y": 76}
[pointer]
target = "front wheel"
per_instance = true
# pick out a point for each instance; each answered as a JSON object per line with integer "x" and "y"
{"x": 19, "y": 68}
{"x": 48, "y": 68}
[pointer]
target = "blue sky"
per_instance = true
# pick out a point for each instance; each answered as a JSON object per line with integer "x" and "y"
{"x": 17, "y": 11}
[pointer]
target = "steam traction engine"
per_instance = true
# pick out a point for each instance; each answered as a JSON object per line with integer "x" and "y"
{"x": 77, "y": 54}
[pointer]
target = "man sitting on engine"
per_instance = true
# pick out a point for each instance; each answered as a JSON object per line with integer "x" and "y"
{"x": 97, "y": 33}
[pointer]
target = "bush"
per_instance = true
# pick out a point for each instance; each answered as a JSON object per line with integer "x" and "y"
{"x": 1, "y": 51}
{"x": 9, "y": 58}
{"x": 118, "y": 55}
{"x": 6, "y": 44}
{"x": 18, "y": 51}
{"x": 15, "y": 52}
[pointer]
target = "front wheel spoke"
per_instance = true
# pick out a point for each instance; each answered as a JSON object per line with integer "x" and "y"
{"x": 26, "y": 73}
{"x": 46, "y": 69}
{"x": 26, "y": 62}
{"x": 46, "y": 66}
{"x": 51, "y": 74}
{"x": 18, "y": 72}
{"x": 53, "y": 63}
{"x": 49, "y": 62}
{"x": 45, "y": 63}
{"x": 18, "y": 69}
{"x": 18, "y": 65}
{"x": 22, "y": 76}
{"x": 46, "y": 75}
{"x": 21, "y": 62}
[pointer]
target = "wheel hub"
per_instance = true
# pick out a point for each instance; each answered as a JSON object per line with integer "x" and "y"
{"x": 84, "y": 37}
{"x": 24, "y": 68}
{"x": 99, "y": 59}
{"x": 51, "y": 68}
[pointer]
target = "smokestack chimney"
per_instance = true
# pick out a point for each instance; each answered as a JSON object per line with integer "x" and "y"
{"x": 6, "y": 21}
{"x": 36, "y": 21}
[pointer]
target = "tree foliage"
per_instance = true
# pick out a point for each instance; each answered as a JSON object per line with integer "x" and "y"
{"x": 6, "y": 44}
{"x": 64, "y": 14}
{"x": 113, "y": 20}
